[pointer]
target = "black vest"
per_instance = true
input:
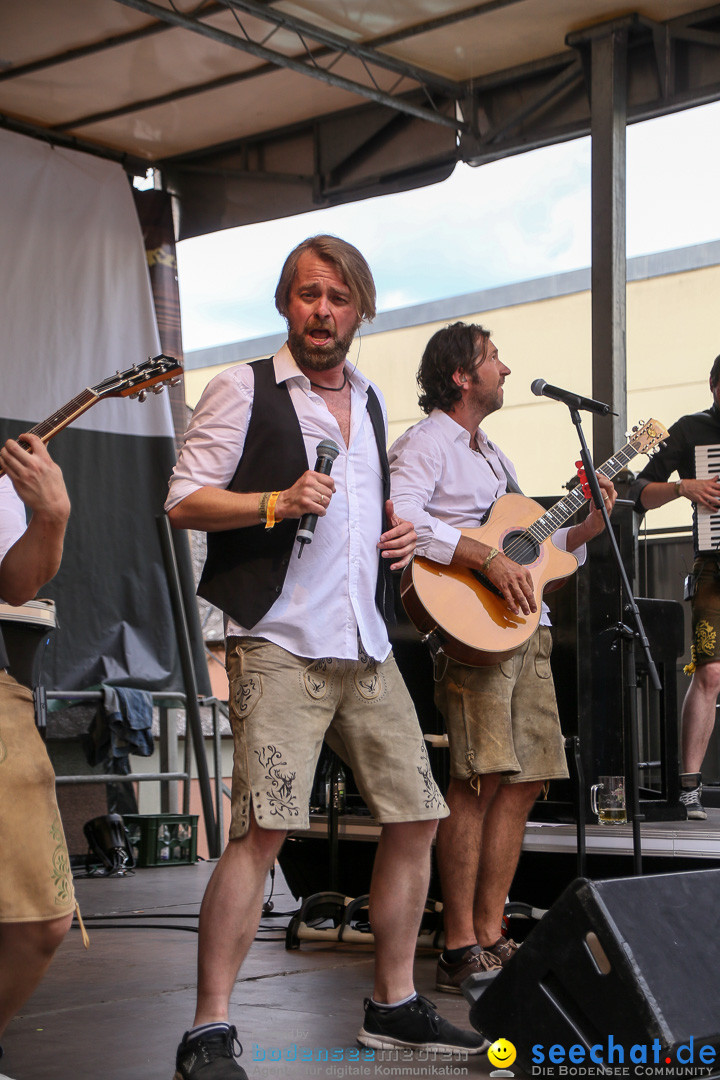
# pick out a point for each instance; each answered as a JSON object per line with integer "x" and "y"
{"x": 245, "y": 568}
{"x": 4, "y": 662}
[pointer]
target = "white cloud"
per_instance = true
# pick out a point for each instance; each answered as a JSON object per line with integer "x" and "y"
{"x": 519, "y": 218}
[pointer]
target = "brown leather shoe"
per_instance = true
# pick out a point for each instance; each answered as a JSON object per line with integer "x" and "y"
{"x": 474, "y": 961}
{"x": 504, "y": 949}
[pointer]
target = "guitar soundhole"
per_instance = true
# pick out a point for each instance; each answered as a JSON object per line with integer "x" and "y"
{"x": 520, "y": 547}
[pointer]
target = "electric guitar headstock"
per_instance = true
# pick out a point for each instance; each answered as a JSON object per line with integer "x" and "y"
{"x": 141, "y": 378}
{"x": 135, "y": 382}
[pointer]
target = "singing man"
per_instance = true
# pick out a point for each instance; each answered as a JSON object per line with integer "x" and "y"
{"x": 308, "y": 656}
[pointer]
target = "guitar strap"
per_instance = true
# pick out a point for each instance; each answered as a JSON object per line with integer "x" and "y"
{"x": 512, "y": 485}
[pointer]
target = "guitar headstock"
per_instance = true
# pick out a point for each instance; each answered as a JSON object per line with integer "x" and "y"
{"x": 137, "y": 380}
{"x": 647, "y": 436}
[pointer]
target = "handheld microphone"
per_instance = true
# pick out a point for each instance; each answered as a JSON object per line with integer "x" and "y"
{"x": 327, "y": 451}
{"x": 575, "y": 401}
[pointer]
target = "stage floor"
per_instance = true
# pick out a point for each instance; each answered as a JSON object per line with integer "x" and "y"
{"x": 117, "y": 1011}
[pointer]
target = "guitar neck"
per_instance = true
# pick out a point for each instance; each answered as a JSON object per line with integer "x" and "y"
{"x": 64, "y": 416}
{"x": 136, "y": 382}
{"x": 563, "y": 510}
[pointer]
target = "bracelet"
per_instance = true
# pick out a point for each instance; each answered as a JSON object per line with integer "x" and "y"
{"x": 270, "y": 516}
{"x": 676, "y": 486}
{"x": 262, "y": 508}
{"x": 489, "y": 559}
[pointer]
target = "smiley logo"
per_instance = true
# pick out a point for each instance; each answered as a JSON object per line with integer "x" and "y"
{"x": 502, "y": 1053}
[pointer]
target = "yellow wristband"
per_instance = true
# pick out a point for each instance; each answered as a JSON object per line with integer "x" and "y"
{"x": 270, "y": 517}
{"x": 489, "y": 559}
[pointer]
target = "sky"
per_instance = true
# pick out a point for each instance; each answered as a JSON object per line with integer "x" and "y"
{"x": 508, "y": 221}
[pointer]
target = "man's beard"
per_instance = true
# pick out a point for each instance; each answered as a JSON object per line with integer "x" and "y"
{"x": 489, "y": 401}
{"x": 319, "y": 359}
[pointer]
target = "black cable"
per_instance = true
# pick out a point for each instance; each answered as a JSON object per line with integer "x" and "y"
{"x": 268, "y": 905}
{"x": 144, "y": 926}
{"x": 141, "y": 915}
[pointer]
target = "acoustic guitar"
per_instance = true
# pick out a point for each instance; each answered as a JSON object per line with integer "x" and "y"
{"x": 459, "y": 611}
{"x": 135, "y": 382}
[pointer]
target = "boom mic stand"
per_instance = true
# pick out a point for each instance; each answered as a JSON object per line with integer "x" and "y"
{"x": 627, "y": 635}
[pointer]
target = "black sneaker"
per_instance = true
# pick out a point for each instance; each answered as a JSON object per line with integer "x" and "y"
{"x": 210, "y": 1057}
{"x": 3, "y": 1076}
{"x": 691, "y": 801}
{"x": 690, "y": 792}
{"x": 415, "y": 1026}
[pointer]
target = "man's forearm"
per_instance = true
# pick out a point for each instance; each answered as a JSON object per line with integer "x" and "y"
{"x": 657, "y": 494}
{"x": 33, "y": 559}
{"x": 215, "y": 510}
{"x": 581, "y": 534}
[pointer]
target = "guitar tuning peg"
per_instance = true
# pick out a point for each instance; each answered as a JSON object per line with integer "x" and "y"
{"x": 174, "y": 382}
{"x": 141, "y": 395}
{"x": 158, "y": 389}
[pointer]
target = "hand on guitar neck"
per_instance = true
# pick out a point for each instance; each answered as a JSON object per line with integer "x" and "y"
{"x": 594, "y": 523}
{"x": 36, "y": 478}
{"x": 35, "y": 557}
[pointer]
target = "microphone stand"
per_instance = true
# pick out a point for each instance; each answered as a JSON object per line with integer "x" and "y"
{"x": 627, "y": 635}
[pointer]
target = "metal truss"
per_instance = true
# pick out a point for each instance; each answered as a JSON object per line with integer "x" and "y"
{"x": 671, "y": 66}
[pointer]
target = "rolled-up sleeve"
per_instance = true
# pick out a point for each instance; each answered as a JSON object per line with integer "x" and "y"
{"x": 215, "y": 439}
{"x": 416, "y": 463}
{"x": 12, "y": 516}
{"x": 559, "y": 539}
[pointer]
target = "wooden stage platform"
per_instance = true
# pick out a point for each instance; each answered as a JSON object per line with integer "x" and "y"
{"x": 117, "y": 1011}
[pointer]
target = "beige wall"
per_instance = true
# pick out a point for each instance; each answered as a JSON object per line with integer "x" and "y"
{"x": 672, "y": 340}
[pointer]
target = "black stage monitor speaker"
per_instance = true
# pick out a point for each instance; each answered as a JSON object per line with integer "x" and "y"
{"x": 623, "y": 974}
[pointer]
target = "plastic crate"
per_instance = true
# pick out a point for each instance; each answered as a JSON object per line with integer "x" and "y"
{"x": 162, "y": 839}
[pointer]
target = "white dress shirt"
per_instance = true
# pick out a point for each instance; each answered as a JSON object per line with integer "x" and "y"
{"x": 329, "y": 594}
{"x": 442, "y": 485}
{"x": 12, "y": 516}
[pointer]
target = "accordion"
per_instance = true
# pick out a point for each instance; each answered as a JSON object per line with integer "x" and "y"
{"x": 706, "y": 523}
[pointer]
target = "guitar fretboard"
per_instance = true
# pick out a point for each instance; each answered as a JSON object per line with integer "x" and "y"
{"x": 563, "y": 510}
{"x": 64, "y": 416}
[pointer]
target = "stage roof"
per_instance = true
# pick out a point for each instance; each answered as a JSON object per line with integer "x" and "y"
{"x": 254, "y": 110}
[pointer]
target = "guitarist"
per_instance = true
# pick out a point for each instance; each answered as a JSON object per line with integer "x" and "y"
{"x": 502, "y": 721}
{"x": 36, "y": 891}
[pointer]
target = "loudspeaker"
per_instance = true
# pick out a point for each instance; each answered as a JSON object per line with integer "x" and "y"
{"x": 624, "y": 972}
